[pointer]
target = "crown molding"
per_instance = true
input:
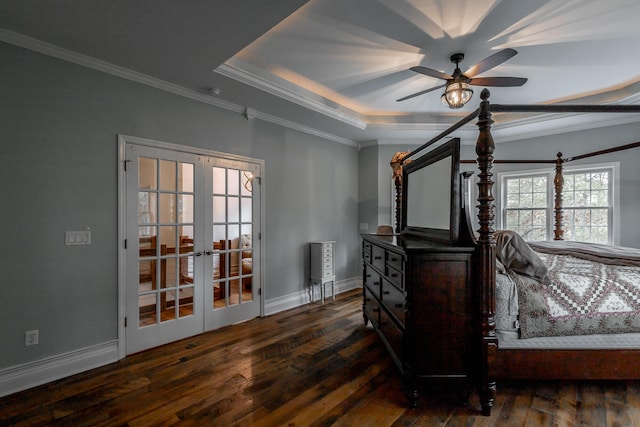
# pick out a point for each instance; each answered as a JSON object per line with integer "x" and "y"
{"x": 125, "y": 73}
{"x": 232, "y": 71}
{"x": 305, "y": 129}
{"x": 115, "y": 70}
{"x": 523, "y": 128}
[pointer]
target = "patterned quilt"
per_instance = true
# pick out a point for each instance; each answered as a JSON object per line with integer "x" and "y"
{"x": 582, "y": 297}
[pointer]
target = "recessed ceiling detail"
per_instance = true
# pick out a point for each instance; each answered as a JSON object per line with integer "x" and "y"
{"x": 337, "y": 67}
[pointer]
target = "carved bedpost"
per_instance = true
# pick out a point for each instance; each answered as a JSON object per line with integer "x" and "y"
{"x": 397, "y": 161}
{"x": 397, "y": 181}
{"x": 486, "y": 258}
{"x": 558, "y": 183}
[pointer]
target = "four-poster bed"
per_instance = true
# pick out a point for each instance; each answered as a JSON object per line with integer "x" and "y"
{"x": 491, "y": 355}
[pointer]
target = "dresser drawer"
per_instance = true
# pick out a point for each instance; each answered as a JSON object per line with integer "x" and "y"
{"x": 392, "y": 334}
{"x": 366, "y": 252}
{"x": 394, "y": 300}
{"x": 377, "y": 257}
{"x": 396, "y": 277}
{"x": 394, "y": 260}
{"x": 372, "y": 280}
{"x": 371, "y": 307}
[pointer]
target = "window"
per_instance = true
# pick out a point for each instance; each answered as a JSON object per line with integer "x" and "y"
{"x": 526, "y": 208}
{"x": 587, "y": 198}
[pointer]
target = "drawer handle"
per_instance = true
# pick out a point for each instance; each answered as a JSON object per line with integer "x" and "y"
{"x": 368, "y": 275}
{"x": 394, "y": 274}
{"x": 377, "y": 309}
{"x": 367, "y": 299}
{"x": 376, "y": 283}
{"x": 399, "y": 305}
{"x": 394, "y": 259}
{"x": 377, "y": 257}
{"x": 385, "y": 292}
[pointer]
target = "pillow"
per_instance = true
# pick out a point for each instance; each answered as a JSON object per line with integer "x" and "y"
{"x": 516, "y": 255}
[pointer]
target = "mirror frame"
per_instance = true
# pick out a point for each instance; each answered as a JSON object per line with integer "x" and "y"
{"x": 451, "y": 149}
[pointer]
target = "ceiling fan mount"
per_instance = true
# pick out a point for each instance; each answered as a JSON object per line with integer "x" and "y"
{"x": 456, "y": 58}
{"x": 457, "y": 91}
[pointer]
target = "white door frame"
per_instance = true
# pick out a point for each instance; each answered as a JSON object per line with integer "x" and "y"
{"x": 122, "y": 220}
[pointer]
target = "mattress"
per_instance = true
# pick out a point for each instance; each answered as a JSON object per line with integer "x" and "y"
{"x": 510, "y": 340}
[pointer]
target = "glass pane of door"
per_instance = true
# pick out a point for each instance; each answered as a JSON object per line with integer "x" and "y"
{"x": 164, "y": 289}
{"x": 166, "y": 231}
{"x": 234, "y": 283}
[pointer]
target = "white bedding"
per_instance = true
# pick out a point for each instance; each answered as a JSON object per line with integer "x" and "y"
{"x": 510, "y": 340}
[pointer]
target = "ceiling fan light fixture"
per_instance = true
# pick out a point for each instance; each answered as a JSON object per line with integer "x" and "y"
{"x": 456, "y": 94}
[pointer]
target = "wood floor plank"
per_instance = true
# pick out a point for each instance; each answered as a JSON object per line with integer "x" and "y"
{"x": 591, "y": 409}
{"x": 315, "y": 365}
{"x": 616, "y": 405}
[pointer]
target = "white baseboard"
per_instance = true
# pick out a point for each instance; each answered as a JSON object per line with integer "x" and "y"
{"x": 22, "y": 377}
{"x": 299, "y": 298}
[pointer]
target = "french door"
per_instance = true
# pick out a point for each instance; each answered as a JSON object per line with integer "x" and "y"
{"x": 191, "y": 224}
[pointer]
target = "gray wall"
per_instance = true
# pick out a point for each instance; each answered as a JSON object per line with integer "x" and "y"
{"x": 58, "y": 126}
{"x": 368, "y": 185}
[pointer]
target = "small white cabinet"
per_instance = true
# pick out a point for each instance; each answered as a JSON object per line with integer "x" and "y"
{"x": 322, "y": 267}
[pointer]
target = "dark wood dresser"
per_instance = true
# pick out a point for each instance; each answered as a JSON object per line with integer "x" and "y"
{"x": 417, "y": 295}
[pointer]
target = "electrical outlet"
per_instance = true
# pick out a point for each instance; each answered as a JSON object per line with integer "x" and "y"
{"x": 31, "y": 337}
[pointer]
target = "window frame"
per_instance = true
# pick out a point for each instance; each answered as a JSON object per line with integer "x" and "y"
{"x": 614, "y": 194}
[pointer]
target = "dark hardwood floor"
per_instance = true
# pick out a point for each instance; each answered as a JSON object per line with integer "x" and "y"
{"x": 311, "y": 366}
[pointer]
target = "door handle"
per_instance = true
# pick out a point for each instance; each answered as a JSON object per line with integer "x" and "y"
{"x": 198, "y": 253}
{"x": 208, "y": 252}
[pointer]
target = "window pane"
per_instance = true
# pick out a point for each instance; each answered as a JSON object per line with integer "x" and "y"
{"x": 512, "y": 200}
{"x": 167, "y": 208}
{"x": 582, "y": 181}
{"x": 600, "y": 198}
{"x": 512, "y": 220}
{"x": 526, "y": 200}
{"x": 185, "y": 208}
{"x": 599, "y": 217}
{"x": 219, "y": 180}
{"x": 147, "y": 173}
{"x": 186, "y": 177}
{"x": 233, "y": 185}
{"x": 512, "y": 186}
{"x": 233, "y": 209}
{"x": 247, "y": 183}
{"x": 600, "y": 180}
{"x": 167, "y": 175}
{"x": 219, "y": 209}
{"x": 539, "y": 200}
{"x": 246, "y": 209}
{"x": 540, "y": 184}
{"x": 599, "y": 235}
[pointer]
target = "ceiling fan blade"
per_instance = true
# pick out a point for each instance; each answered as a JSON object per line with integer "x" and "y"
{"x": 490, "y": 62}
{"x": 422, "y": 92}
{"x": 431, "y": 72}
{"x": 498, "y": 81}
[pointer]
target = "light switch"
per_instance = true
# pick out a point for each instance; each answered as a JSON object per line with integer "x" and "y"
{"x": 82, "y": 237}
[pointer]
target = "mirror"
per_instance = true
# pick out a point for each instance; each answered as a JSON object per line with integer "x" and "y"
{"x": 431, "y": 194}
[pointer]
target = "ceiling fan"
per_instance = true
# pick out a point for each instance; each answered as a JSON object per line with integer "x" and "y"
{"x": 457, "y": 91}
